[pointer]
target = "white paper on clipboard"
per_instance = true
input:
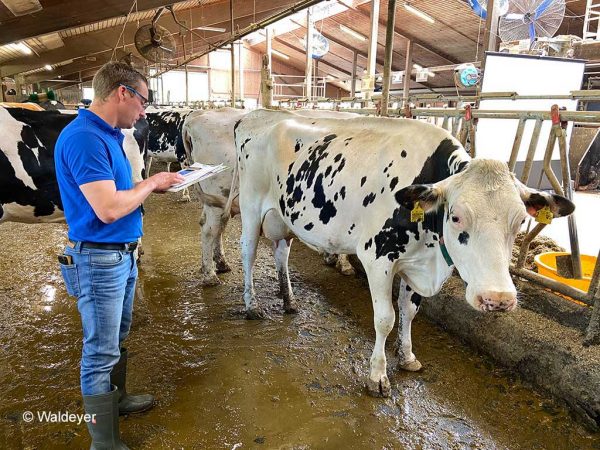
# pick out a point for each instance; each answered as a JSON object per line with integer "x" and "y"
{"x": 195, "y": 173}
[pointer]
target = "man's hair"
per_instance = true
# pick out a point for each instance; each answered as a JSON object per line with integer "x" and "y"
{"x": 111, "y": 75}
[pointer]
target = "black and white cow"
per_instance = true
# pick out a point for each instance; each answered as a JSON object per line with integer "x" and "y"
{"x": 28, "y": 187}
{"x": 165, "y": 142}
{"x": 349, "y": 186}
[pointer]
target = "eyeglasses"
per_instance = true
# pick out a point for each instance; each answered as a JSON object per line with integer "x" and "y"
{"x": 133, "y": 91}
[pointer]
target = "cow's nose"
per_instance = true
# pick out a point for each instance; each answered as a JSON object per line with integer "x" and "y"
{"x": 497, "y": 301}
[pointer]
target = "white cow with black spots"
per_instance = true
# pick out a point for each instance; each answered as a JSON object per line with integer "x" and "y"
{"x": 349, "y": 185}
{"x": 28, "y": 187}
{"x": 207, "y": 138}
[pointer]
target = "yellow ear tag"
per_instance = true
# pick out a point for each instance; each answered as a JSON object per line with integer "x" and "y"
{"x": 417, "y": 214}
{"x": 544, "y": 216}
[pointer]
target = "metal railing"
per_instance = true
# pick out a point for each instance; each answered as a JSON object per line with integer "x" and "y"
{"x": 294, "y": 87}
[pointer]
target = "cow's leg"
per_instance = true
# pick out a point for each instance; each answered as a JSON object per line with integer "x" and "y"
{"x": 330, "y": 258}
{"x": 281, "y": 250}
{"x": 210, "y": 221}
{"x": 275, "y": 229}
{"x": 148, "y": 165}
{"x": 408, "y": 305}
{"x": 251, "y": 222}
{"x": 343, "y": 265}
{"x": 219, "y": 254}
{"x": 380, "y": 284}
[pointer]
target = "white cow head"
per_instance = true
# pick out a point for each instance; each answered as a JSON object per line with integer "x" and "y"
{"x": 484, "y": 208}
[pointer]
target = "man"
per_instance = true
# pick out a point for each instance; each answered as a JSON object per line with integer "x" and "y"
{"x": 102, "y": 208}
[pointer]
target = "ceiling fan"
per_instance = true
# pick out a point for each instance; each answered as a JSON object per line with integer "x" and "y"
{"x": 154, "y": 42}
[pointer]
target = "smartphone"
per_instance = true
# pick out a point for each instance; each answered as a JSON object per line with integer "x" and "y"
{"x": 65, "y": 260}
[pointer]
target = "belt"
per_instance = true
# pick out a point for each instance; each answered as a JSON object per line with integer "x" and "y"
{"x": 126, "y": 247}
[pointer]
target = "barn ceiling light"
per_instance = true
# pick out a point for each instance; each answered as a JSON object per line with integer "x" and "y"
{"x": 419, "y": 13}
{"x": 48, "y": 67}
{"x": 352, "y": 33}
{"x": 22, "y": 7}
{"x": 216, "y": 29}
{"x": 281, "y": 55}
{"x": 23, "y": 48}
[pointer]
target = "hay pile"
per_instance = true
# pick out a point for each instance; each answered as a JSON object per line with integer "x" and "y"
{"x": 540, "y": 244}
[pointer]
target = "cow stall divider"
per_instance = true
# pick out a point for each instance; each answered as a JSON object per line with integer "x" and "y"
{"x": 462, "y": 123}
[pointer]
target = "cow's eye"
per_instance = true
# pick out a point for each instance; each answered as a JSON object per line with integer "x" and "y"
{"x": 455, "y": 219}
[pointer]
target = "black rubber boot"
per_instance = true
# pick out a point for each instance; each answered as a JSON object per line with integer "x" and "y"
{"x": 104, "y": 426}
{"x": 128, "y": 404}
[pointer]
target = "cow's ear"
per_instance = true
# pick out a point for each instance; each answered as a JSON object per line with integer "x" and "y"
{"x": 429, "y": 196}
{"x": 535, "y": 200}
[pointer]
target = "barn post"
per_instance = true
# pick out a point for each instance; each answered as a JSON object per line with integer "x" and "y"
{"x": 387, "y": 64}
{"x": 309, "y": 45}
{"x": 369, "y": 79}
{"x": 232, "y": 56}
{"x": 407, "y": 72}
{"x": 353, "y": 81}
{"x": 491, "y": 31}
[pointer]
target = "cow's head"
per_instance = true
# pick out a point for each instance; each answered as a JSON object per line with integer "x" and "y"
{"x": 484, "y": 207}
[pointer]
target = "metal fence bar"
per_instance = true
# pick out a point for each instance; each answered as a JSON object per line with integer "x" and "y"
{"x": 535, "y": 137}
{"x": 560, "y": 132}
{"x": 516, "y": 145}
{"x": 574, "y": 116}
{"x": 585, "y": 95}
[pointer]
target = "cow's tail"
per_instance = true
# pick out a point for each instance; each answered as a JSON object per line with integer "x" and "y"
{"x": 185, "y": 157}
{"x": 233, "y": 192}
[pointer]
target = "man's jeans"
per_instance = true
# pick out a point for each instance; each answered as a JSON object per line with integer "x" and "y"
{"x": 104, "y": 283}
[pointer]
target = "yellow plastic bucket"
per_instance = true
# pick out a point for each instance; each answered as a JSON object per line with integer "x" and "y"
{"x": 546, "y": 264}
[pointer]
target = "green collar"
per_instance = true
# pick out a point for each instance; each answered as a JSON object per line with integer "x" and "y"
{"x": 445, "y": 253}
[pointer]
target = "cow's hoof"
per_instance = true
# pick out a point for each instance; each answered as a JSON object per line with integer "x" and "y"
{"x": 255, "y": 314}
{"x": 209, "y": 280}
{"x": 347, "y": 270}
{"x": 330, "y": 259}
{"x": 290, "y": 308}
{"x": 381, "y": 388}
{"x": 223, "y": 267}
{"x": 412, "y": 366}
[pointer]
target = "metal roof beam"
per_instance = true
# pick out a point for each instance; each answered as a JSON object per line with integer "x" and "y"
{"x": 88, "y": 44}
{"x": 321, "y": 62}
{"x": 408, "y": 36}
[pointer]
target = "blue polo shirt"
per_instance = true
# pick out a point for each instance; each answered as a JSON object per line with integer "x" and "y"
{"x": 87, "y": 150}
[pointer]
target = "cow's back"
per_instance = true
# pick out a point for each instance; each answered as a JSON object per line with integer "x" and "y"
{"x": 209, "y": 136}
{"x": 333, "y": 180}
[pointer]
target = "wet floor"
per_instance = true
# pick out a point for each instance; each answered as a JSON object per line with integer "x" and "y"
{"x": 222, "y": 382}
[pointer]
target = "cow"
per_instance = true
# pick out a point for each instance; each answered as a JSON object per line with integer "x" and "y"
{"x": 28, "y": 187}
{"x": 165, "y": 142}
{"x": 208, "y": 138}
{"x": 165, "y": 135}
{"x": 402, "y": 195}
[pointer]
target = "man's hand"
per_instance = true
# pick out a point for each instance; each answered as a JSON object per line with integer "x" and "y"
{"x": 164, "y": 180}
